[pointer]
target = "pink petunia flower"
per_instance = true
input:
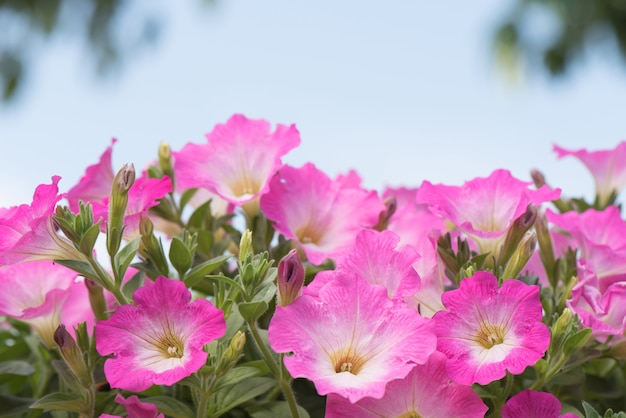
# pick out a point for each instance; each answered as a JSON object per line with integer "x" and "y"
{"x": 35, "y": 293}
{"x": 27, "y": 232}
{"x": 600, "y": 237}
{"x": 135, "y": 408}
{"x": 484, "y": 208}
{"x": 238, "y": 159}
{"x": 531, "y": 404}
{"x": 350, "y": 339}
{"x": 143, "y": 195}
{"x": 376, "y": 258}
{"x": 608, "y": 168}
{"x": 95, "y": 184}
{"x": 487, "y": 330}
{"x": 425, "y": 392}
{"x": 158, "y": 340}
{"x": 321, "y": 215}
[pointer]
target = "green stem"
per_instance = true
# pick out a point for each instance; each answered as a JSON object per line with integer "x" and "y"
{"x": 106, "y": 281}
{"x": 277, "y": 370}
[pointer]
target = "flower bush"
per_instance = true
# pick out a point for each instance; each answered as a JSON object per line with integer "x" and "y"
{"x": 220, "y": 282}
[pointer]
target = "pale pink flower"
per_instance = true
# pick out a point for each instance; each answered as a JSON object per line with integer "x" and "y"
{"x": 425, "y": 392}
{"x": 323, "y": 216}
{"x": 95, "y": 184}
{"x": 238, "y": 159}
{"x": 144, "y": 194}
{"x": 35, "y": 293}
{"x": 159, "y": 340}
{"x": 350, "y": 338}
{"x": 484, "y": 208}
{"x": 27, "y": 232}
{"x": 608, "y": 168}
{"x": 487, "y": 330}
{"x": 531, "y": 404}
{"x": 135, "y": 408}
{"x": 376, "y": 258}
{"x": 600, "y": 237}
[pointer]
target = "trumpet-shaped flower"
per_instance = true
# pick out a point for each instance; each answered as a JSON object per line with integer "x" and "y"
{"x": 321, "y": 215}
{"x": 27, "y": 232}
{"x": 530, "y": 403}
{"x": 350, "y": 339}
{"x": 238, "y": 159}
{"x": 487, "y": 330}
{"x": 600, "y": 237}
{"x": 158, "y": 340}
{"x": 420, "y": 394}
{"x": 484, "y": 208}
{"x": 608, "y": 168}
{"x": 34, "y": 293}
{"x": 95, "y": 185}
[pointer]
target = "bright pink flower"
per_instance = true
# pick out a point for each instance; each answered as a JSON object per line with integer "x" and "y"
{"x": 608, "y": 168}
{"x": 135, "y": 408}
{"x": 238, "y": 159}
{"x": 27, "y": 232}
{"x": 532, "y": 404}
{"x": 95, "y": 185}
{"x": 158, "y": 340}
{"x": 376, "y": 258}
{"x": 321, "y": 215}
{"x": 602, "y": 311}
{"x": 425, "y": 392}
{"x": 487, "y": 330}
{"x": 484, "y": 208}
{"x": 143, "y": 195}
{"x": 350, "y": 339}
{"x": 35, "y": 293}
{"x": 600, "y": 237}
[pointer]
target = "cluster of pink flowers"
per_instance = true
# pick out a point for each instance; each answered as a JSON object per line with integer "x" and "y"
{"x": 417, "y": 302}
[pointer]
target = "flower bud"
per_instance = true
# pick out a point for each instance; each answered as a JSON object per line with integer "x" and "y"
{"x": 122, "y": 183}
{"x": 96, "y": 299}
{"x": 391, "y": 205}
{"x": 290, "y": 278}
{"x": 516, "y": 232}
{"x": 520, "y": 257}
{"x": 165, "y": 159}
{"x": 72, "y": 355}
{"x": 245, "y": 245}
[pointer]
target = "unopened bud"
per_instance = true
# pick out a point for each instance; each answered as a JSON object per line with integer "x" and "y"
{"x": 245, "y": 245}
{"x": 520, "y": 257}
{"x": 122, "y": 183}
{"x": 72, "y": 355}
{"x": 165, "y": 159}
{"x": 391, "y": 205}
{"x": 232, "y": 353}
{"x": 563, "y": 324}
{"x": 96, "y": 299}
{"x": 538, "y": 178}
{"x": 290, "y": 278}
{"x": 516, "y": 233}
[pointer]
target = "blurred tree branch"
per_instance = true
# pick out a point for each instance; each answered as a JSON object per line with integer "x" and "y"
{"x": 579, "y": 25}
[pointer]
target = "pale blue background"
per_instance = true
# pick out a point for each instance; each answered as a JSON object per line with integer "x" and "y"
{"x": 401, "y": 91}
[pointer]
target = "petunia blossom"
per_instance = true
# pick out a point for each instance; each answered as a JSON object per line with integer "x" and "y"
{"x": 484, "y": 208}
{"x": 323, "y": 216}
{"x": 486, "y": 330}
{"x": 27, "y": 232}
{"x": 95, "y": 184}
{"x": 350, "y": 339}
{"x": 135, "y": 408}
{"x": 238, "y": 159}
{"x": 608, "y": 168}
{"x": 420, "y": 394}
{"x": 35, "y": 293}
{"x": 533, "y": 404}
{"x": 158, "y": 340}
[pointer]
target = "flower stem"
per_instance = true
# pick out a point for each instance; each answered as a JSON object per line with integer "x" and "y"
{"x": 277, "y": 370}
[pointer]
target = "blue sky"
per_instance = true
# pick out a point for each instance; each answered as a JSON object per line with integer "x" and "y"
{"x": 401, "y": 91}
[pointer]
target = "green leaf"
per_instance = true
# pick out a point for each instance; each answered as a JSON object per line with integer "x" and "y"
{"x": 236, "y": 375}
{"x": 88, "y": 240}
{"x": 170, "y": 407}
{"x": 61, "y": 402}
{"x": 196, "y": 220}
{"x": 16, "y": 367}
{"x": 576, "y": 341}
{"x": 80, "y": 267}
{"x": 186, "y": 197}
{"x": 274, "y": 410}
{"x": 589, "y": 411}
{"x": 12, "y": 406}
{"x": 251, "y": 311}
{"x": 123, "y": 258}
{"x": 234, "y": 395}
{"x": 201, "y": 270}
{"x": 180, "y": 256}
